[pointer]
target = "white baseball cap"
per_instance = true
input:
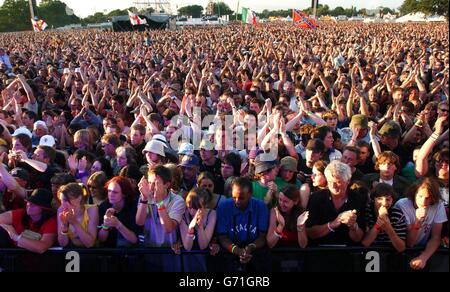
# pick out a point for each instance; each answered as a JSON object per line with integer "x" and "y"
{"x": 47, "y": 140}
{"x": 22, "y": 130}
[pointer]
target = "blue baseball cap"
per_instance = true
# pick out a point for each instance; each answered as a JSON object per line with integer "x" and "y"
{"x": 190, "y": 161}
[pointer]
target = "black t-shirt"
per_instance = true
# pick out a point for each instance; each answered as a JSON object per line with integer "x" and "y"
{"x": 357, "y": 175}
{"x": 367, "y": 167}
{"x": 140, "y": 157}
{"x": 305, "y": 170}
{"x": 41, "y": 179}
{"x": 322, "y": 211}
{"x": 127, "y": 216}
{"x": 215, "y": 170}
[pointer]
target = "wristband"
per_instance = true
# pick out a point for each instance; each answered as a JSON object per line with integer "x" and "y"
{"x": 278, "y": 234}
{"x": 329, "y": 227}
{"x": 143, "y": 202}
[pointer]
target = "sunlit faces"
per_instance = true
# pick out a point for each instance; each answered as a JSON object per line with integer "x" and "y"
{"x": 442, "y": 167}
{"x": 329, "y": 140}
{"x": 17, "y": 145}
{"x": 350, "y": 158}
{"x": 240, "y": 196}
{"x": 284, "y": 203}
{"x": 226, "y": 170}
{"x": 318, "y": 178}
{"x": 115, "y": 194}
{"x": 423, "y": 198}
{"x": 312, "y": 157}
{"x": 387, "y": 170}
{"x": 337, "y": 187}
{"x": 384, "y": 201}
{"x": 207, "y": 184}
{"x": 33, "y": 210}
{"x": 287, "y": 174}
{"x": 364, "y": 153}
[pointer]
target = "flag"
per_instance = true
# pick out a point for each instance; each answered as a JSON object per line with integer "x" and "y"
{"x": 249, "y": 16}
{"x": 39, "y": 25}
{"x": 135, "y": 19}
{"x": 302, "y": 20}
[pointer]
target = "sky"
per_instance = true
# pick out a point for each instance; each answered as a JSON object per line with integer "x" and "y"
{"x": 84, "y": 8}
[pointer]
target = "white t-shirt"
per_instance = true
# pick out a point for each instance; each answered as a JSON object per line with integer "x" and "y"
{"x": 155, "y": 236}
{"x": 435, "y": 215}
{"x": 34, "y": 107}
{"x": 444, "y": 195}
{"x": 335, "y": 155}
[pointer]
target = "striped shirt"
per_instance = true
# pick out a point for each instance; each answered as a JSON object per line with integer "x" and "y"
{"x": 398, "y": 223}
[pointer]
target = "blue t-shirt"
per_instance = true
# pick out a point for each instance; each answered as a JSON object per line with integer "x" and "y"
{"x": 242, "y": 227}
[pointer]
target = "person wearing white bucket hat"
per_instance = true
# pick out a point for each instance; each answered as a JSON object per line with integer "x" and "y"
{"x": 154, "y": 152}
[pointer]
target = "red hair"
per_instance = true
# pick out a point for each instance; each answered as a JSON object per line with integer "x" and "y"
{"x": 125, "y": 185}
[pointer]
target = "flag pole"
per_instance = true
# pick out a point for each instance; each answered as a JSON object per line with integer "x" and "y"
{"x": 315, "y": 9}
{"x": 237, "y": 10}
{"x": 30, "y": 2}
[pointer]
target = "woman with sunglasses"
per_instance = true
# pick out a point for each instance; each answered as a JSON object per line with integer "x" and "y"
{"x": 96, "y": 188}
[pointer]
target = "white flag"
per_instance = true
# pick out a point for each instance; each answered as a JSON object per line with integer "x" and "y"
{"x": 39, "y": 25}
{"x": 135, "y": 19}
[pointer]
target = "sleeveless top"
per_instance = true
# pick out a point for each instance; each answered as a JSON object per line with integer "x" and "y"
{"x": 84, "y": 224}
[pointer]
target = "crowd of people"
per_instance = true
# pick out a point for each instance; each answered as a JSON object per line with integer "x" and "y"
{"x": 235, "y": 139}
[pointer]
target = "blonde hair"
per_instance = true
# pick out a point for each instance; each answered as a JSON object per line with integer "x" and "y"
{"x": 74, "y": 191}
{"x": 84, "y": 136}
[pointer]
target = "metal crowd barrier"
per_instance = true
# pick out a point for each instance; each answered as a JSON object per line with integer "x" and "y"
{"x": 327, "y": 259}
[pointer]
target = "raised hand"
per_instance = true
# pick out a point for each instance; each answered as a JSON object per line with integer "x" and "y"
{"x": 301, "y": 220}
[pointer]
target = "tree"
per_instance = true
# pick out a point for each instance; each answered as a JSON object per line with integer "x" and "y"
{"x": 56, "y": 13}
{"x": 323, "y": 10}
{"x": 386, "y": 10}
{"x": 362, "y": 12}
{"x": 222, "y": 8}
{"x": 117, "y": 12}
{"x": 96, "y": 18}
{"x": 15, "y": 16}
{"x": 338, "y": 11}
{"x": 195, "y": 11}
{"x": 439, "y": 7}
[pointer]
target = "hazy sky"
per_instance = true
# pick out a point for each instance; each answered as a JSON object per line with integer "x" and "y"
{"x": 84, "y": 8}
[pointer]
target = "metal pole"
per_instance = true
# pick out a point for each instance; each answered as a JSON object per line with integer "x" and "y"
{"x": 218, "y": 7}
{"x": 30, "y": 2}
{"x": 237, "y": 10}
{"x": 315, "y": 9}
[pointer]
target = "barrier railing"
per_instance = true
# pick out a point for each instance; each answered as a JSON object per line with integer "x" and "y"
{"x": 327, "y": 259}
